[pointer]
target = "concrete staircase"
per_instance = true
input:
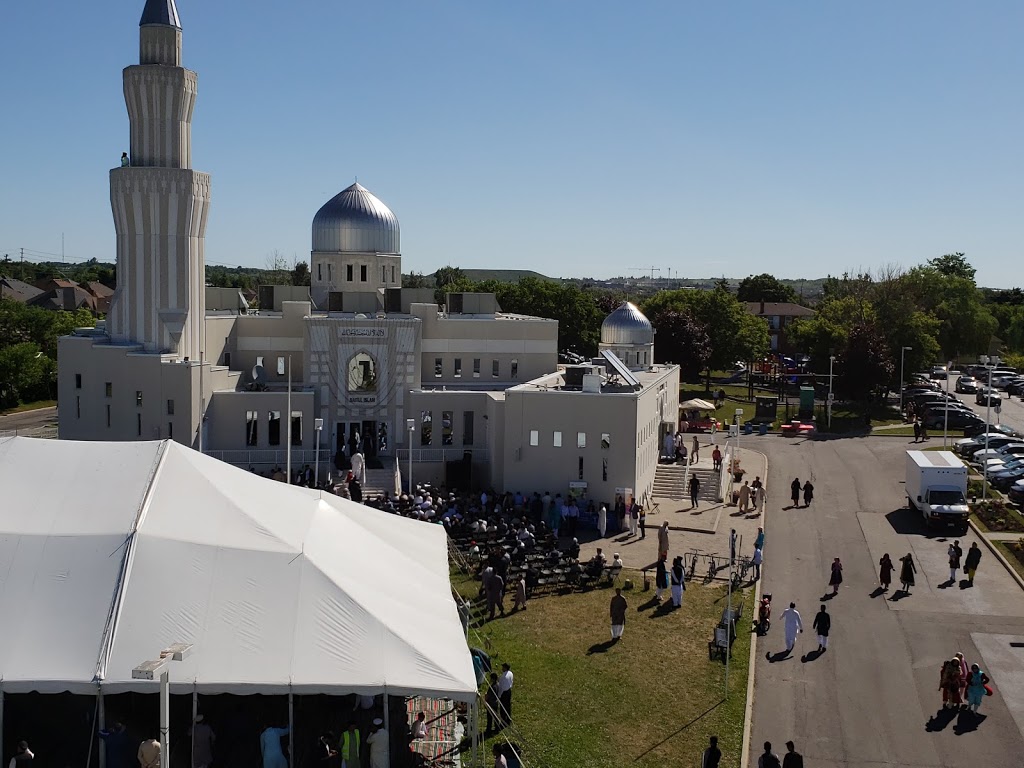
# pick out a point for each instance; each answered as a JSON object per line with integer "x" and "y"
{"x": 379, "y": 480}
{"x": 670, "y": 483}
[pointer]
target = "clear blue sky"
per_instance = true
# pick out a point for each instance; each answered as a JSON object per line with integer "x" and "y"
{"x": 573, "y": 138}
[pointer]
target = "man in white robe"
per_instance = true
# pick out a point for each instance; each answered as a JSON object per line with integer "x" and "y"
{"x": 793, "y": 625}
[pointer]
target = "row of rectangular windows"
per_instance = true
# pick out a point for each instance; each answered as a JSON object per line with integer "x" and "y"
{"x": 495, "y": 368}
{"x": 108, "y": 391}
{"x": 350, "y": 273}
{"x": 252, "y": 424}
{"x": 138, "y": 416}
{"x": 581, "y": 439}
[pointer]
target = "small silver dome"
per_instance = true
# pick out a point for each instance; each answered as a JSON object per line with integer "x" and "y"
{"x": 354, "y": 220}
{"x": 627, "y": 325}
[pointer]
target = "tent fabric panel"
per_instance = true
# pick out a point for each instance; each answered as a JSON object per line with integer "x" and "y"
{"x": 237, "y": 607}
{"x": 80, "y": 504}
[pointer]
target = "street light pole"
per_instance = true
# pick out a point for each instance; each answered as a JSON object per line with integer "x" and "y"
{"x": 831, "y": 360}
{"x": 903, "y": 353}
{"x": 318, "y": 425}
{"x": 150, "y": 670}
{"x": 410, "y": 424}
{"x": 990, "y": 363}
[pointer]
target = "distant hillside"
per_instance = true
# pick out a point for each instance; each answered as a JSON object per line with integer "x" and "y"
{"x": 501, "y": 275}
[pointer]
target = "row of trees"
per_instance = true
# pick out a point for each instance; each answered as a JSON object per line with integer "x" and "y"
{"x": 28, "y": 350}
{"x": 928, "y": 314}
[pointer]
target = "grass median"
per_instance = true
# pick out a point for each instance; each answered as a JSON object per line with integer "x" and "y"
{"x": 650, "y": 700}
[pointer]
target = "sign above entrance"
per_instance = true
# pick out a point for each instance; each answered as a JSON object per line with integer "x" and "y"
{"x": 362, "y": 332}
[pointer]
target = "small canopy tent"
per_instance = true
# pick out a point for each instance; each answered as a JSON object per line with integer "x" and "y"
{"x": 279, "y": 589}
{"x": 696, "y": 405}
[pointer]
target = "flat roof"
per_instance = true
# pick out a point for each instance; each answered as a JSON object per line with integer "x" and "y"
{"x": 555, "y": 381}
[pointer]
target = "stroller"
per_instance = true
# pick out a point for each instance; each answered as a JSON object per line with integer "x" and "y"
{"x": 764, "y": 614}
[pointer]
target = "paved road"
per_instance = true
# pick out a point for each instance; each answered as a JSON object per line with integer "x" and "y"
{"x": 872, "y": 699}
{"x": 41, "y": 417}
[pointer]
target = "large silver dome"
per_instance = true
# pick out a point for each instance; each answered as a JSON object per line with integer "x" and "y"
{"x": 355, "y": 220}
{"x": 627, "y": 325}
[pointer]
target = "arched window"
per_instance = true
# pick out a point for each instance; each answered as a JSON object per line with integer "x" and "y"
{"x": 362, "y": 373}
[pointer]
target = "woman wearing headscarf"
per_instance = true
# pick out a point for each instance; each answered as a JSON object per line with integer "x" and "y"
{"x": 885, "y": 569}
{"x": 678, "y": 581}
{"x": 837, "y": 576}
{"x": 976, "y": 682}
{"x": 950, "y": 683}
{"x": 907, "y": 571}
{"x": 660, "y": 579}
{"x": 964, "y": 672}
{"x": 794, "y": 491}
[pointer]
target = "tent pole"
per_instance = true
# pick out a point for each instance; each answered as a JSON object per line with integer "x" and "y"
{"x": 1, "y": 717}
{"x": 387, "y": 719}
{"x": 291, "y": 728}
{"x": 195, "y": 713}
{"x": 474, "y": 728}
{"x": 101, "y": 715}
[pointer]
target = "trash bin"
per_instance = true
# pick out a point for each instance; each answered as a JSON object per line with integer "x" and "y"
{"x": 764, "y": 429}
{"x": 748, "y": 428}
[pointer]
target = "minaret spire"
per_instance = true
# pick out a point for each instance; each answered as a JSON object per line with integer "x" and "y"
{"x": 160, "y": 34}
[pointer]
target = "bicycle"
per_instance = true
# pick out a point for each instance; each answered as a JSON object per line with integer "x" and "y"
{"x": 712, "y": 569}
{"x": 739, "y": 573}
{"x": 693, "y": 563}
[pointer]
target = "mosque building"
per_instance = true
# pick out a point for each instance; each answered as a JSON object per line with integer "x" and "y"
{"x": 474, "y": 396}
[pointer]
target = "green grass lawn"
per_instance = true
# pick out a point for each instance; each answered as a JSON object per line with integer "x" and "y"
{"x": 652, "y": 700}
{"x": 34, "y": 406}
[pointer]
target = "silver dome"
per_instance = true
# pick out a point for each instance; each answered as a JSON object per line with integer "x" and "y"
{"x": 355, "y": 220}
{"x": 627, "y": 325}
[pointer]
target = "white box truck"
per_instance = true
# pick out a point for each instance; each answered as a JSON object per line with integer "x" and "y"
{"x": 937, "y": 487}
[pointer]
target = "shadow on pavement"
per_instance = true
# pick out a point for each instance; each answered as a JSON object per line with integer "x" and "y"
{"x": 877, "y": 593}
{"x": 899, "y": 594}
{"x": 780, "y": 656}
{"x": 908, "y": 522}
{"x": 812, "y": 656}
{"x": 967, "y": 721}
{"x": 940, "y": 720}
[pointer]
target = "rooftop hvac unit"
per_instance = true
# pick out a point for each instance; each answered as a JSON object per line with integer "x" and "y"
{"x": 592, "y": 382}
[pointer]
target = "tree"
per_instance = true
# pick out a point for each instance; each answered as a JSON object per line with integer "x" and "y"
{"x": 765, "y": 287}
{"x": 865, "y": 363}
{"x": 953, "y": 265}
{"x": 25, "y": 374}
{"x": 415, "y": 280}
{"x": 300, "y": 273}
{"x": 575, "y": 309}
{"x": 684, "y": 341}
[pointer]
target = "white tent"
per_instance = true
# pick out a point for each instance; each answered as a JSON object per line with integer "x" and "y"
{"x": 110, "y": 552}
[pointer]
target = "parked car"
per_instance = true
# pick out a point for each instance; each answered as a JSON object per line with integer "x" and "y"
{"x": 957, "y": 419}
{"x": 1016, "y": 492}
{"x": 997, "y": 456}
{"x": 966, "y": 385}
{"x": 1000, "y": 429}
{"x": 988, "y": 397}
{"x": 994, "y": 443}
{"x": 1004, "y": 482}
{"x": 938, "y": 372}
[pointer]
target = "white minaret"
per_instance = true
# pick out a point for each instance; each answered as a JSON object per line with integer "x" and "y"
{"x": 160, "y": 204}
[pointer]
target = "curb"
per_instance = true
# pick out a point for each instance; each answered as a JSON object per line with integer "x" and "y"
{"x": 752, "y": 660}
{"x": 997, "y": 554}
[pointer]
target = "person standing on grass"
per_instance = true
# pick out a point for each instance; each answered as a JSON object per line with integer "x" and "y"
{"x": 837, "y": 576}
{"x": 663, "y": 541}
{"x": 822, "y": 624}
{"x": 793, "y": 759}
{"x": 505, "y": 692}
{"x": 617, "y": 609}
{"x": 794, "y": 491}
{"x": 712, "y": 755}
{"x": 907, "y": 571}
{"x": 499, "y": 757}
{"x": 678, "y": 579}
{"x": 793, "y": 624}
{"x": 492, "y": 703}
{"x": 694, "y": 491}
{"x": 971, "y": 562}
{"x": 885, "y": 569}
{"x": 660, "y": 579}
{"x": 520, "y": 600}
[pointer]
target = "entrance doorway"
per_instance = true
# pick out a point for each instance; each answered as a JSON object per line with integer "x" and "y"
{"x": 369, "y": 434}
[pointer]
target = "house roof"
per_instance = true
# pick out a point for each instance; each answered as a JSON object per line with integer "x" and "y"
{"x": 780, "y": 308}
{"x": 17, "y": 290}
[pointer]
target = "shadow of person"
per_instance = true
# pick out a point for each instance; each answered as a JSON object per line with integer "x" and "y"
{"x": 940, "y": 720}
{"x": 877, "y": 593}
{"x": 652, "y": 603}
{"x": 664, "y": 609}
{"x": 965, "y": 584}
{"x": 812, "y": 656}
{"x": 780, "y": 656}
{"x": 899, "y": 594}
{"x": 601, "y": 647}
{"x": 828, "y": 596}
{"x": 967, "y": 721}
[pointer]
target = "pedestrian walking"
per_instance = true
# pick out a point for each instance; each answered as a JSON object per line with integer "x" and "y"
{"x": 951, "y": 683}
{"x": 971, "y": 562}
{"x": 924, "y": 430}
{"x": 505, "y": 681}
{"x": 660, "y": 579}
{"x": 756, "y": 561}
{"x": 663, "y": 541}
{"x": 618, "y": 613}
{"x": 837, "y": 576}
{"x": 492, "y": 703}
{"x": 678, "y": 581}
{"x": 954, "y": 553}
{"x": 520, "y": 599}
{"x": 23, "y": 758}
{"x": 885, "y": 569}
{"x": 907, "y": 571}
{"x": 760, "y": 498}
{"x": 917, "y": 430}
{"x": 695, "y": 451}
{"x": 964, "y": 672}
{"x": 759, "y": 539}
{"x": 977, "y": 687}
{"x": 694, "y": 491}
{"x": 602, "y": 520}
{"x": 744, "y": 496}
{"x": 495, "y": 595}
{"x": 716, "y": 459}
{"x": 712, "y": 755}
{"x": 794, "y": 491}
{"x": 792, "y": 759}
{"x": 821, "y": 626}
{"x": 808, "y": 493}
{"x": 793, "y": 625}
{"x": 768, "y": 759}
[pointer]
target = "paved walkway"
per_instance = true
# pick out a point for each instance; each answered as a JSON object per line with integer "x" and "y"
{"x": 871, "y": 699}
